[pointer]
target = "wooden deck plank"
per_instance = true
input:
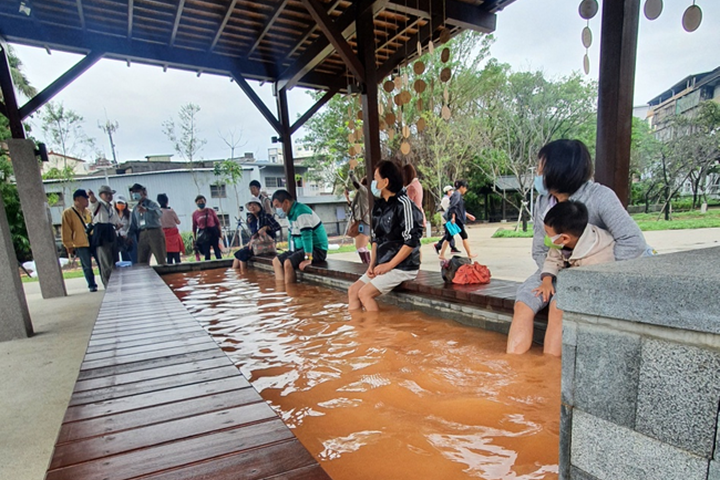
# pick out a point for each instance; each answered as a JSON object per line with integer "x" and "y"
{"x": 145, "y": 400}
{"x": 149, "y": 436}
{"x": 111, "y": 339}
{"x": 168, "y": 343}
{"x": 158, "y": 414}
{"x": 145, "y": 375}
{"x": 147, "y": 386}
{"x": 142, "y": 357}
{"x": 145, "y": 341}
{"x": 150, "y": 364}
{"x": 176, "y": 454}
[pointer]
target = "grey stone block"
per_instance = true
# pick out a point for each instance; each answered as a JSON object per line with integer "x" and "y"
{"x": 714, "y": 470}
{"x": 569, "y": 333}
{"x": 566, "y": 413}
{"x": 577, "y": 474}
{"x": 611, "y": 452}
{"x": 639, "y": 290}
{"x": 567, "y": 380}
{"x": 678, "y": 395}
{"x": 607, "y": 365}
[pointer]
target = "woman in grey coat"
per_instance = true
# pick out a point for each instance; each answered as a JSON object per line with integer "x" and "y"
{"x": 564, "y": 171}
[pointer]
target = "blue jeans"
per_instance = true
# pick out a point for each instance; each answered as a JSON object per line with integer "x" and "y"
{"x": 83, "y": 253}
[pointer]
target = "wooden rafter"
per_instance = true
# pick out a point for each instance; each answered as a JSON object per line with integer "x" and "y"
{"x": 457, "y": 13}
{"x": 312, "y": 110}
{"x": 335, "y": 37}
{"x": 268, "y": 25}
{"x": 226, "y": 18}
{"x": 423, "y": 35}
{"x": 81, "y": 14}
{"x": 306, "y": 34}
{"x": 178, "y": 16}
{"x": 131, "y": 7}
{"x": 257, "y": 101}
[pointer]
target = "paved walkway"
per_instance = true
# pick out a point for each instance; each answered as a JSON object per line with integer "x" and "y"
{"x": 510, "y": 258}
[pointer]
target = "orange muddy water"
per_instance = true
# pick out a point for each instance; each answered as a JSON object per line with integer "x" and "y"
{"x": 399, "y": 395}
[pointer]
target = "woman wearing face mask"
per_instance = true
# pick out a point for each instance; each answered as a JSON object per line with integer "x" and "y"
{"x": 564, "y": 172}
{"x": 127, "y": 245}
{"x": 396, "y": 233}
{"x": 206, "y": 229}
{"x": 264, "y": 229}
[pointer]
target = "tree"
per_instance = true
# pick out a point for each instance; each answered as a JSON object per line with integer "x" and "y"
{"x": 187, "y": 141}
{"x": 109, "y": 128}
{"x": 232, "y": 139}
{"x": 64, "y": 133}
{"x": 229, "y": 171}
{"x": 20, "y": 80}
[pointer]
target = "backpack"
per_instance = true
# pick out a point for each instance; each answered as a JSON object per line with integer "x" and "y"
{"x": 450, "y": 268}
{"x": 471, "y": 274}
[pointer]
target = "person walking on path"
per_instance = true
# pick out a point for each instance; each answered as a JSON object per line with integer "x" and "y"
{"x": 307, "y": 234}
{"x": 206, "y": 229}
{"x": 457, "y": 215}
{"x": 359, "y": 227}
{"x": 146, "y": 223}
{"x": 444, "y": 206}
{"x": 169, "y": 220}
{"x": 74, "y": 235}
{"x": 127, "y": 244}
{"x": 105, "y": 225}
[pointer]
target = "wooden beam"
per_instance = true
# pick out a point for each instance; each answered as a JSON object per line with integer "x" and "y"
{"x": 618, "y": 52}
{"x": 131, "y": 8}
{"x": 63, "y": 81}
{"x": 228, "y": 14}
{"x": 335, "y": 37}
{"x": 81, "y": 14}
{"x": 3, "y": 110}
{"x": 286, "y": 138}
{"x": 315, "y": 54}
{"x": 178, "y": 16}
{"x": 312, "y": 110}
{"x": 268, "y": 25}
{"x": 257, "y": 101}
{"x": 457, "y": 13}
{"x": 309, "y": 30}
{"x": 6, "y": 86}
{"x": 423, "y": 35}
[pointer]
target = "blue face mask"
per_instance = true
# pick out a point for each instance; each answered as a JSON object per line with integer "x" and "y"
{"x": 539, "y": 184}
{"x": 136, "y": 196}
{"x": 280, "y": 212}
{"x": 201, "y": 205}
{"x": 374, "y": 189}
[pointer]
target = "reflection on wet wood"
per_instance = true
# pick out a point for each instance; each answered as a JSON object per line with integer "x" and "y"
{"x": 157, "y": 398}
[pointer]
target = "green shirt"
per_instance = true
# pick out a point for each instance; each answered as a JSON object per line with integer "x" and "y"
{"x": 306, "y": 228}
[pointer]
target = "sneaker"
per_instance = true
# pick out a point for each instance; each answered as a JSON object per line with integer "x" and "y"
{"x": 93, "y": 289}
{"x": 437, "y": 248}
{"x": 454, "y": 250}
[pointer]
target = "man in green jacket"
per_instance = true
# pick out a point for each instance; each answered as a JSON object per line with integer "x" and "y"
{"x": 308, "y": 242}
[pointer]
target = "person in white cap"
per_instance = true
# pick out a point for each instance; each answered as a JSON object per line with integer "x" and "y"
{"x": 444, "y": 205}
{"x": 264, "y": 229}
{"x": 106, "y": 222}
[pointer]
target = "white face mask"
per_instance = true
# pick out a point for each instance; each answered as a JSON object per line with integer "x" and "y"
{"x": 555, "y": 239}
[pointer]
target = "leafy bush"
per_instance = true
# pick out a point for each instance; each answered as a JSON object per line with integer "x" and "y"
{"x": 187, "y": 241}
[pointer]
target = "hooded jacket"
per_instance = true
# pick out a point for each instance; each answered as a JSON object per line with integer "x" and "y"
{"x": 396, "y": 222}
{"x": 594, "y": 246}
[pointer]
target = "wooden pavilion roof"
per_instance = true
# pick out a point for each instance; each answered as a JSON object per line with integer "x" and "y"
{"x": 281, "y": 41}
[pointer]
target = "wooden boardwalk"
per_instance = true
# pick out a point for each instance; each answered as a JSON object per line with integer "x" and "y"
{"x": 156, "y": 398}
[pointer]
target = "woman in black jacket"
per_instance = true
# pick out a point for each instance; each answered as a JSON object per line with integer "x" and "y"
{"x": 457, "y": 215}
{"x": 397, "y": 228}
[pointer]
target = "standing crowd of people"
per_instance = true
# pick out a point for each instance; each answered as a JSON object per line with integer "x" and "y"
{"x": 576, "y": 222}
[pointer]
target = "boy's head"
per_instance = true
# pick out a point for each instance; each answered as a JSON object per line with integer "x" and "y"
{"x": 566, "y": 222}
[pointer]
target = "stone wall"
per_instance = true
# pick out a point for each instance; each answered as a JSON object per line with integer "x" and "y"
{"x": 641, "y": 369}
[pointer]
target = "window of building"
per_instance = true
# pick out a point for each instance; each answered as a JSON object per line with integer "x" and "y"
{"x": 275, "y": 182}
{"x": 55, "y": 199}
{"x": 224, "y": 219}
{"x": 218, "y": 191}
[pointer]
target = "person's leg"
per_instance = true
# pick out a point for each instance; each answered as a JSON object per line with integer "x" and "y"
{"x": 216, "y": 248}
{"x": 521, "y": 329}
{"x": 83, "y": 253}
{"x": 367, "y": 296}
{"x": 353, "y": 295}
{"x": 143, "y": 248}
{"x": 289, "y": 272}
{"x": 105, "y": 260}
{"x": 553, "y": 335}
{"x": 206, "y": 250}
{"x": 133, "y": 250}
{"x": 279, "y": 270}
{"x": 159, "y": 246}
{"x": 169, "y": 258}
{"x": 453, "y": 248}
{"x": 445, "y": 244}
{"x": 466, "y": 243}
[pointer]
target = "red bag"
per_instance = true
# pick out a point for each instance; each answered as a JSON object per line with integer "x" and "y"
{"x": 472, "y": 274}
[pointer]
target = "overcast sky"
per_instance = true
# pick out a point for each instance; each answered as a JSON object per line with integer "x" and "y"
{"x": 531, "y": 34}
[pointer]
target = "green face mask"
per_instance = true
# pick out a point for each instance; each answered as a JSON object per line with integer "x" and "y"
{"x": 549, "y": 243}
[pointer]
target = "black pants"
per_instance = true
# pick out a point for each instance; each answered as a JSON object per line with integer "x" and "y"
{"x": 206, "y": 248}
{"x": 438, "y": 245}
{"x": 173, "y": 257}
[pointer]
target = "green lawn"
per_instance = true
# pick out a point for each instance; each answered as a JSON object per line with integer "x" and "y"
{"x": 647, "y": 222}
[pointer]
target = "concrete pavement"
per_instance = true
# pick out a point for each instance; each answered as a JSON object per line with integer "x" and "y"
{"x": 37, "y": 375}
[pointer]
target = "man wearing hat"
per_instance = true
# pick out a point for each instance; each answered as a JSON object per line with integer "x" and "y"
{"x": 146, "y": 224}
{"x": 106, "y": 222}
{"x": 74, "y": 235}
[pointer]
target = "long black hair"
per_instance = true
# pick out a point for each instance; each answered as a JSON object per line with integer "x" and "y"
{"x": 392, "y": 173}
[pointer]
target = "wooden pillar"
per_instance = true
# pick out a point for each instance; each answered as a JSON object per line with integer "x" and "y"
{"x": 618, "y": 51}
{"x": 286, "y": 138}
{"x": 11, "y": 106}
{"x": 371, "y": 116}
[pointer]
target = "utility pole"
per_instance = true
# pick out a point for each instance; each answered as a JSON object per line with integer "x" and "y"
{"x": 109, "y": 128}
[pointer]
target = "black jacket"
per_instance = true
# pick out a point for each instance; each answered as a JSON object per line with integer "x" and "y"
{"x": 397, "y": 222}
{"x": 457, "y": 206}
